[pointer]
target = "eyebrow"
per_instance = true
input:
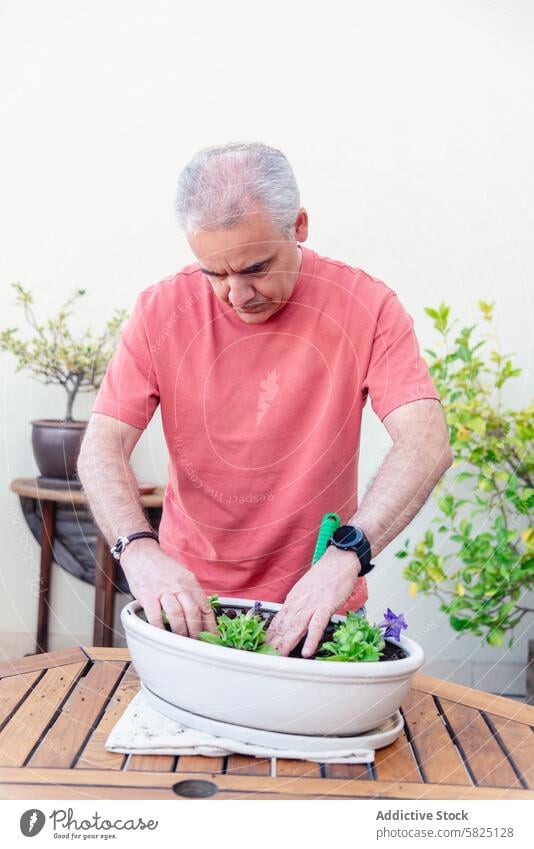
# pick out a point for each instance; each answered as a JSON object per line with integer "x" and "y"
{"x": 248, "y": 270}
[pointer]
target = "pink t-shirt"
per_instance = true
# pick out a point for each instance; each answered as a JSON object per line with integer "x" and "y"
{"x": 262, "y": 422}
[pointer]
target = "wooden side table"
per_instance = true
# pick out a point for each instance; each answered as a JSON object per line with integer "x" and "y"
{"x": 105, "y": 564}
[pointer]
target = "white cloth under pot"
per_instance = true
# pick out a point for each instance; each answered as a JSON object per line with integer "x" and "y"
{"x": 143, "y": 730}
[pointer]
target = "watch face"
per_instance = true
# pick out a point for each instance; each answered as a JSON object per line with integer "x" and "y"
{"x": 347, "y": 536}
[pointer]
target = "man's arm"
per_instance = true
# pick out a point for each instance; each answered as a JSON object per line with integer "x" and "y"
{"x": 419, "y": 457}
{"x": 158, "y": 581}
{"x": 108, "y": 479}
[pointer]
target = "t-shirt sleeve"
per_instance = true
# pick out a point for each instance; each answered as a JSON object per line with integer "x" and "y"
{"x": 397, "y": 373}
{"x": 129, "y": 390}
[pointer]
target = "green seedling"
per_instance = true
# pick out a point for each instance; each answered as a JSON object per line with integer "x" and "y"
{"x": 354, "y": 640}
{"x": 246, "y": 632}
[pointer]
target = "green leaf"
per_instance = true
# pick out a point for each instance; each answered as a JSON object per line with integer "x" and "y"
{"x": 495, "y": 637}
{"x": 459, "y": 624}
{"x": 505, "y": 609}
{"x": 446, "y": 504}
{"x": 477, "y": 424}
{"x": 266, "y": 648}
{"x": 208, "y": 637}
{"x": 486, "y": 309}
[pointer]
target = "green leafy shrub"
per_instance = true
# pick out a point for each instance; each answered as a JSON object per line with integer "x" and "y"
{"x": 481, "y": 583}
{"x": 354, "y": 640}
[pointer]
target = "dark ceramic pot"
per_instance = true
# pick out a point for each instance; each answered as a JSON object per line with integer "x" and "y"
{"x": 56, "y": 445}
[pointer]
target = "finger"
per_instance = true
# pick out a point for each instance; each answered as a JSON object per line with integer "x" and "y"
{"x": 286, "y": 642}
{"x": 193, "y": 613}
{"x": 209, "y": 623}
{"x": 318, "y": 623}
{"x": 278, "y": 626}
{"x": 153, "y": 611}
{"x": 175, "y": 614}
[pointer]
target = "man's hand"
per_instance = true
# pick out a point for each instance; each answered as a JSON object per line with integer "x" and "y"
{"x": 312, "y": 600}
{"x": 159, "y": 582}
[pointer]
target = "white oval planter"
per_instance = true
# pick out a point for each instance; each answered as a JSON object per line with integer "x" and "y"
{"x": 282, "y": 694}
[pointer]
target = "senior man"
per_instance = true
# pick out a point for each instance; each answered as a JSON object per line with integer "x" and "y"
{"x": 261, "y": 356}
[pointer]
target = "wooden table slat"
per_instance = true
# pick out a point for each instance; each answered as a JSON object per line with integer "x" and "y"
{"x": 20, "y": 665}
{"x": 94, "y": 755}
{"x": 245, "y": 765}
{"x": 438, "y": 757}
{"x": 107, "y": 653}
{"x": 518, "y": 711}
{"x": 88, "y": 698}
{"x": 13, "y": 691}
{"x": 80, "y": 794}
{"x": 295, "y": 767}
{"x": 254, "y": 783}
{"x": 151, "y": 763}
{"x": 200, "y": 763}
{"x": 396, "y": 761}
{"x": 355, "y": 771}
{"x": 30, "y": 721}
{"x": 518, "y": 741}
{"x": 487, "y": 762}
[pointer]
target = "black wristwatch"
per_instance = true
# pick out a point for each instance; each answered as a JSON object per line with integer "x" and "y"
{"x": 349, "y": 538}
{"x": 122, "y": 542}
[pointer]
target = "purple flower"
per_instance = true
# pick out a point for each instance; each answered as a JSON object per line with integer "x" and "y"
{"x": 392, "y": 624}
{"x": 253, "y": 611}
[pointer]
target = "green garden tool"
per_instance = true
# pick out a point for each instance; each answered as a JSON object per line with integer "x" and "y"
{"x": 329, "y": 523}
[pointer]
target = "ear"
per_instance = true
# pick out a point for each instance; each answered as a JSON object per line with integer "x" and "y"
{"x": 301, "y": 225}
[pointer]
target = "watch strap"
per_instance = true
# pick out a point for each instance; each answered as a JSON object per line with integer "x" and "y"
{"x": 363, "y": 551}
{"x": 365, "y": 569}
{"x": 117, "y": 549}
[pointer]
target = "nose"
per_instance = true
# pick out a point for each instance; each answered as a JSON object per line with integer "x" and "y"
{"x": 240, "y": 292}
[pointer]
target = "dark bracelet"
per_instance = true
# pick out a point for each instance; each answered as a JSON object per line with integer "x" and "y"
{"x": 117, "y": 549}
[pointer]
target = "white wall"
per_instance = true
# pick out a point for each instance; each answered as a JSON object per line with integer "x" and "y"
{"x": 409, "y": 126}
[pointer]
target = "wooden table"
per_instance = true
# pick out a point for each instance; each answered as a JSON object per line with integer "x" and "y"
{"x": 105, "y": 564}
{"x": 57, "y": 709}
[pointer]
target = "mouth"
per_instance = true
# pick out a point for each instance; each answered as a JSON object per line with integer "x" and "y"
{"x": 253, "y": 308}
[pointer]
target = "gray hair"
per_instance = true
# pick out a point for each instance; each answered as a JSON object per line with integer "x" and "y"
{"x": 222, "y": 183}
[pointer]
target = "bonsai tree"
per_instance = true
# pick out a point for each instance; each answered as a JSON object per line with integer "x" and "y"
{"x": 482, "y": 582}
{"x": 54, "y": 356}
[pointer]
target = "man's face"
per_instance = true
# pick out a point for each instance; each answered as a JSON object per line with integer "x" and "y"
{"x": 252, "y": 267}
